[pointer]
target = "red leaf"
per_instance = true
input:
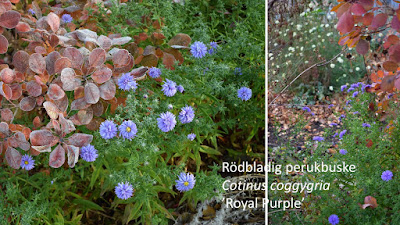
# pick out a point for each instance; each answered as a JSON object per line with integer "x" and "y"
{"x": 97, "y": 57}
{"x": 73, "y": 155}
{"x": 390, "y": 66}
{"x": 33, "y": 88}
{"x": 369, "y": 143}
{"x": 7, "y": 75}
{"x": 83, "y": 117}
{"x": 7, "y": 115}
{"x": 37, "y": 63}
{"x": 362, "y": 47}
{"x": 98, "y": 109}
{"x": 378, "y": 21}
{"x": 5, "y": 90}
{"x": 346, "y": 23}
{"x": 52, "y": 110}
{"x": 3, "y": 44}
{"x": 92, "y": 93}
{"x": 62, "y": 63}
{"x": 42, "y": 138}
{"x": 358, "y": 9}
{"x": 23, "y": 27}
{"x": 10, "y": 19}
{"x": 79, "y": 103}
{"x": 16, "y": 91}
{"x": 54, "y": 21}
{"x": 121, "y": 58}
{"x": 68, "y": 79}
{"x": 36, "y": 122}
{"x": 50, "y": 62}
{"x": 21, "y": 140}
{"x": 139, "y": 73}
{"x": 66, "y": 125}
{"x": 57, "y": 157}
{"x": 13, "y": 158}
{"x": 369, "y": 201}
{"x": 367, "y": 4}
{"x": 27, "y": 104}
{"x": 104, "y": 42}
{"x": 75, "y": 56}
{"x": 395, "y": 23}
{"x": 80, "y": 140}
{"x": 21, "y": 61}
{"x": 102, "y": 75}
{"x": 107, "y": 90}
{"x": 55, "y": 92}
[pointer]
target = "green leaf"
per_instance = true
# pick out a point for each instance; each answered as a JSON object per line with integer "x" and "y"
{"x": 208, "y": 150}
{"x": 86, "y": 204}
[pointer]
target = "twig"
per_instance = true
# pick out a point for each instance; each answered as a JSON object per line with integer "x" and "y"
{"x": 297, "y": 77}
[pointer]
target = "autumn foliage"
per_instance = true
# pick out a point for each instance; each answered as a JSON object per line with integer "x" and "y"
{"x": 63, "y": 79}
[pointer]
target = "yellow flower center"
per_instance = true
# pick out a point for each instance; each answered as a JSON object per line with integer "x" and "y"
{"x": 26, "y": 162}
{"x": 186, "y": 183}
{"x": 128, "y": 129}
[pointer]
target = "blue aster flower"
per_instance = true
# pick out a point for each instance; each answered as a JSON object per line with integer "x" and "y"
{"x": 213, "y": 48}
{"x": 244, "y": 93}
{"x": 198, "y": 49}
{"x": 186, "y": 115}
{"x": 27, "y": 163}
{"x": 31, "y": 11}
{"x": 343, "y": 87}
{"x": 185, "y": 182}
{"x": 108, "y": 129}
{"x": 387, "y": 175}
{"x": 180, "y": 88}
{"x": 191, "y": 136}
{"x": 169, "y": 88}
{"x": 66, "y": 18}
{"x": 366, "y": 125}
{"x": 124, "y": 190}
{"x": 343, "y": 151}
{"x": 305, "y": 108}
{"x": 154, "y": 72}
{"x": 238, "y": 71}
{"x": 318, "y": 138}
{"x": 350, "y": 89}
{"x": 89, "y": 153}
{"x": 333, "y": 124}
{"x": 330, "y": 106}
{"x": 127, "y": 130}
{"x": 356, "y": 112}
{"x": 166, "y": 122}
{"x": 333, "y": 219}
{"x": 342, "y": 133}
{"x": 126, "y": 82}
{"x": 357, "y": 85}
{"x": 355, "y": 94}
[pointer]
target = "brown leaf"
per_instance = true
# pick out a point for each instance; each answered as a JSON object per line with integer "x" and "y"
{"x": 362, "y": 47}
{"x": 121, "y": 58}
{"x": 7, "y": 75}
{"x": 22, "y": 142}
{"x": 7, "y": 115}
{"x": 5, "y": 90}
{"x": 149, "y": 60}
{"x": 42, "y": 138}
{"x": 33, "y": 88}
{"x": 98, "y": 109}
{"x": 390, "y": 66}
{"x": 66, "y": 125}
{"x": 16, "y": 91}
{"x": 3, "y": 44}
{"x": 52, "y": 110}
{"x": 51, "y": 59}
{"x": 180, "y": 39}
{"x": 369, "y": 201}
{"x": 388, "y": 83}
{"x": 54, "y": 21}
{"x": 79, "y": 103}
{"x": 169, "y": 61}
{"x": 23, "y": 27}
{"x": 62, "y": 63}
{"x": 68, "y": 79}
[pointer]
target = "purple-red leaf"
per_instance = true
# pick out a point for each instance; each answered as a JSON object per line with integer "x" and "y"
{"x": 57, "y": 157}
{"x": 3, "y": 44}
{"x": 55, "y": 92}
{"x": 346, "y": 23}
{"x": 54, "y": 21}
{"x": 97, "y": 57}
{"x": 80, "y": 140}
{"x": 27, "y": 104}
{"x": 107, "y": 90}
{"x": 7, "y": 75}
{"x": 13, "y": 158}
{"x": 102, "y": 75}
{"x": 10, "y": 19}
{"x": 21, "y": 61}
{"x": 362, "y": 47}
{"x": 33, "y": 88}
{"x": 52, "y": 110}
{"x": 75, "y": 56}
{"x": 37, "y": 63}
{"x": 378, "y": 21}
{"x": 92, "y": 93}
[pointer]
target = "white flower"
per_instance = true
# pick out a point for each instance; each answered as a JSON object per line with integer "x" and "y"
{"x": 294, "y": 34}
{"x": 344, "y": 75}
{"x": 306, "y": 62}
{"x": 313, "y": 46}
{"x": 276, "y": 21}
{"x": 319, "y": 36}
{"x": 271, "y": 58}
{"x": 368, "y": 67}
{"x": 340, "y": 60}
{"x": 298, "y": 27}
{"x": 331, "y": 88}
{"x": 302, "y": 48}
{"x": 332, "y": 65}
{"x": 301, "y": 54}
{"x": 350, "y": 70}
{"x": 323, "y": 40}
{"x": 326, "y": 25}
{"x": 357, "y": 68}
{"x": 276, "y": 44}
{"x": 270, "y": 55}
{"x": 329, "y": 34}
{"x": 335, "y": 26}
{"x": 329, "y": 17}
{"x": 302, "y": 14}
{"x": 283, "y": 74}
{"x": 380, "y": 35}
{"x": 277, "y": 66}
{"x": 332, "y": 13}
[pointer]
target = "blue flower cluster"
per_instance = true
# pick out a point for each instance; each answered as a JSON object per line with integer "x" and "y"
{"x": 127, "y": 130}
